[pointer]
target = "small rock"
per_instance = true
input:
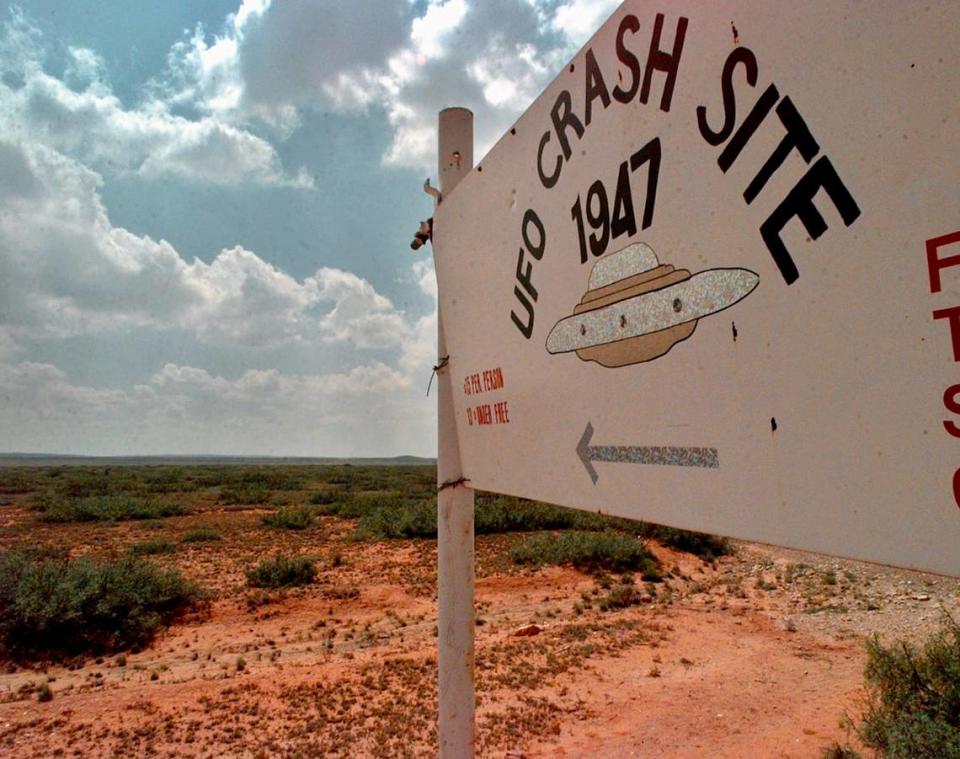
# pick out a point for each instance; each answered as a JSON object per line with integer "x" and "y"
{"x": 921, "y": 597}
{"x": 526, "y": 632}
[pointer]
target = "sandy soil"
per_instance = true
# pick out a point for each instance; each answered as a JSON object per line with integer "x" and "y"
{"x": 758, "y": 654}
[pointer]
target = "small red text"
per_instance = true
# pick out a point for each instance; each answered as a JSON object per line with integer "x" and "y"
{"x": 483, "y": 382}
{"x": 488, "y": 413}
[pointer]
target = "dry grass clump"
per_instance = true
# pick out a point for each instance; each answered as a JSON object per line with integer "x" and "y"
{"x": 282, "y": 572}
{"x": 152, "y": 547}
{"x": 290, "y": 518}
{"x": 201, "y": 535}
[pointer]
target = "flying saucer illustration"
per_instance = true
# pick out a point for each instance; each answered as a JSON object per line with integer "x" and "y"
{"x": 636, "y": 309}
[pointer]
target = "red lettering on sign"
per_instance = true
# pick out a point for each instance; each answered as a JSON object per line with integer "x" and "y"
{"x": 492, "y": 379}
{"x": 950, "y": 401}
{"x": 483, "y": 382}
{"x": 483, "y": 414}
{"x": 952, "y": 314}
{"x": 935, "y": 263}
{"x": 951, "y": 396}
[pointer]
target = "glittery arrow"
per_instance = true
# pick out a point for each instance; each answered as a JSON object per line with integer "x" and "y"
{"x": 632, "y": 454}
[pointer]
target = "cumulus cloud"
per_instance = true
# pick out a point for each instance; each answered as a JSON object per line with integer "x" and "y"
{"x": 493, "y": 68}
{"x": 494, "y": 57}
{"x": 420, "y": 347}
{"x": 360, "y": 314}
{"x": 66, "y": 270}
{"x": 579, "y": 19}
{"x": 88, "y": 122}
{"x": 9, "y": 347}
{"x": 365, "y": 411}
{"x": 272, "y": 57}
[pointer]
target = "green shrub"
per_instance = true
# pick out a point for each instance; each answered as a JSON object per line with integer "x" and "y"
{"x": 290, "y": 518}
{"x": 242, "y": 479}
{"x": 698, "y": 543}
{"x": 104, "y": 508}
{"x": 211, "y": 477}
{"x": 44, "y": 693}
{"x": 364, "y": 504}
{"x": 271, "y": 477}
{"x": 913, "y": 697}
{"x": 52, "y": 607}
{"x": 402, "y": 520}
{"x": 590, "y": 551}
{"x": 42, "y": 552}
{"x": 341, "y": 475}
{"x": 152, "y": 547}
{"x": 245, "y": 493}
{"x": 912, "y": 705}
{"x": 13, "y": 482}
{"x": 169, "y": 479}
{"x": 326, "y": 497}
{"x": 200, "y": 535}
{"x": 391, "y": 515}
{"x": 400, "y": 502}
{"x": 620, "y": 597}
{"x": 334, "y": 509}
{"x": 282, "y": 478}
{"x": 81, "y": 484}
{"x": 503, "y": 514}
{"x": 281, "y": 572}
{"x": 84, "y": 482}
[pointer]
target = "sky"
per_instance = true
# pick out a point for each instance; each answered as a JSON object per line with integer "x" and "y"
{"x": 206, "y": 208}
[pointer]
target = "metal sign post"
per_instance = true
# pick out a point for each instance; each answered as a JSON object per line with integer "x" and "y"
{"x": 455, "y": 547}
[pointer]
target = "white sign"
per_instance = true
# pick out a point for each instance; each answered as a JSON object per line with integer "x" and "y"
{"x": 711, "y": 279}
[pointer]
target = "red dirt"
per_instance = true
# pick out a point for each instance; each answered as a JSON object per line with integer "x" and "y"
{"x": 759, "y": 654}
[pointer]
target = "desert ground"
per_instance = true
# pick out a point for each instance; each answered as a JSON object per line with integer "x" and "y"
{"x": 755, "y": 652}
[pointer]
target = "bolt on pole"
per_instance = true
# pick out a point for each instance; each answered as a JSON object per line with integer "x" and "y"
{"x": 455, "y": 538}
